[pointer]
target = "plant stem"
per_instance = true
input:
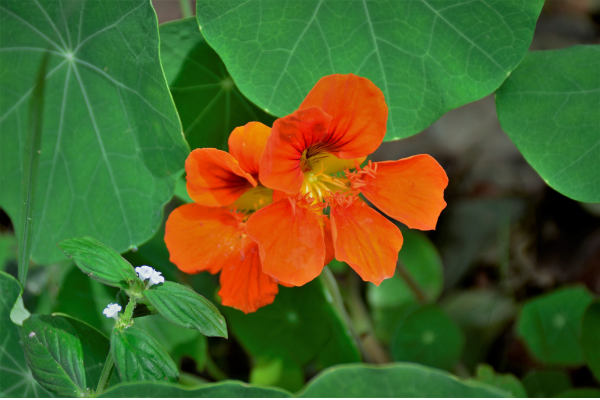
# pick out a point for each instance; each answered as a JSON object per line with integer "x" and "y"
{"x": 412, "y": 283}
{"x": 213, "y": 370}
{"x": 128, "y": 314}
{"x": 107, "y": 371}
{"x": 186, "y": 9}
{"x": 31, "y": 162}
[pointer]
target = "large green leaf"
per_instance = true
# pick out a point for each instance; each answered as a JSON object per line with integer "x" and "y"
{"x": 427, "y": 56}
{"x": 184, "y": 307}
{"x": 138, "y": 357}
{"x": 551, "y": 325}
{"x": 300, "y": 323}
{"x": 54, "y": 353}
{"x": 550, "y": 108}
{"x": 16, "y": 379}
{"x": 231, "y": 389}
{"x": 209, "y": 103}
{"x": 428, "y": 336}
{"x": 394, "y": 380}
{"x": 112, "y": 145}
{"x": 590, "y": 338}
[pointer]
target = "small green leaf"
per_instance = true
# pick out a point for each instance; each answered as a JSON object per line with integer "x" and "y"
{"x": 209, "y": 103}
{"x": 184, "y": 307}
{"x": 546, "y": 383}
{"x": 138, "y": 357}
{"x": 551, "y": 325}
{"x": 19, "y": 313}
{"x": 428, "y": 336}
{"x": 394, "y": 380}
{"x": 54, "y": 354}
{"x": 426, "y": 56}
{"x": 422, "y": 261}
{"x": 507, "y": 382}
{"x": 550, "y": 108}
{"x": 229, "y": 389}
{"x": 99, "y": 261}
{"x": 590, "y": 338}
{"x": 16, "y": 379}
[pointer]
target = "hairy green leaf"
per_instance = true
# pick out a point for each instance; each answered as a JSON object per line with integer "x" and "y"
{"x": 427, "y": 56}
{"x": 99, "y": 261}
{"x": 184, "y": 307}
{"x": 16, "y": 379}
{"x": 550, "y": 108}
{"x": 54, "y": 353}
{"x": 209, "y": 103}
{"x": 112, "y": 145}
{"x": 138, "y": 357}
{"x": 551, "y": 325}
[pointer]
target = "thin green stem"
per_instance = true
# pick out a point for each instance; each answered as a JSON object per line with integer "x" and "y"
{"x": 186, "y": 9}
{"x": 413, "y": 285}
{"x": 109, "y": 366}
{"x": 128, "y": 314}
{"x": 31, "y": 162}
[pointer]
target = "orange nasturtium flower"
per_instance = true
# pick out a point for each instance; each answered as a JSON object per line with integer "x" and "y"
{"x": 259, "y": 213}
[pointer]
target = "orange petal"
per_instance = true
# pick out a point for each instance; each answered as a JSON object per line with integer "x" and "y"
{"x": 214, "y": 178}
{"x": 202, "y": 238}
{"x": 243, "y": 284}
{"x": 280, "y": 166}
{"x": 359, "y": 114}
{"x": 290, "y": 240}
{"x": 410, "y": 190}
{"x": 329, "y": 250}
{"x": 366, "y": 240}
{"x": 247, "y": 144}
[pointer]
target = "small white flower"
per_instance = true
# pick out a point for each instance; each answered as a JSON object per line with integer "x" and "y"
{"x": 112, "y": 310}
{"x": 144, "y": 272}
{"x": 156, "y": 278}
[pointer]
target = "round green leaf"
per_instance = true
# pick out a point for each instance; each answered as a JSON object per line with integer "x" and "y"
{"x": 112, "y": 145}
{"x": 138, "y": 357}
{"x": 551, "y": 325}
{"x": 54, "y": 353}
{"x": 421, "y": 259}
{"x": 99, "y": 261}
{"x": 590, "y": 338}
{"x": 230, "y": 389}
{"x": 187, "y": 308}
{"x": 428, "y": 336}
{"x": 209, "y": 103}
{"x": 16, "y": 379}
{"x": 550, "y": 108}
{"x": 394, "y": 380}
{"x": 426, "y": 56}
{"x": 546, "y": 383}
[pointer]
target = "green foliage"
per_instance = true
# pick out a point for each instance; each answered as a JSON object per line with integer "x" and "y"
{"x": 230, "y": 389}
{"x": 99, "y": 261}
{"x": 581, "y": 392}
{"x": 394, "y": 380}
{"x": 112, "y": 144}
{"x": 506, "y": 382}
{"x": 421, "y": 259}
{"x": 546, "y": 383}
{"x": 54, "y": 353}
{"x": 208, "y": 101}
{"x": 300, "y": 323}
{"x": 428, "y": 336}
{"x": 186, "y": 308}
{"x": 590, "y": 338}
{"x": 551, "y": 325}
{"x": 16, "y": 379}
{"x": 277, "y": 370}
{"x": 8, "y": 249}
{"x": 138, "y": 357}
{"x": 427, "y": 57}
{"x": 550, "y": 108}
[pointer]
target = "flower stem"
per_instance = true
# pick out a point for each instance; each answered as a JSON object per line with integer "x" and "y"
{"x": 412, "y": 283}
{"x": 186, "y": 9}
{"x": 107, "y": 371}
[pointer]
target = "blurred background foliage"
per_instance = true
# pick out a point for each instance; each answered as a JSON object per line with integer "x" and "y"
{"x": 504, "y": 291}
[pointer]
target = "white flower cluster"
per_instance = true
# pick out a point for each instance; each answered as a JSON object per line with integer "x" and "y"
{"x": 112, "y": 310}
{"x": 154, "y": 277}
